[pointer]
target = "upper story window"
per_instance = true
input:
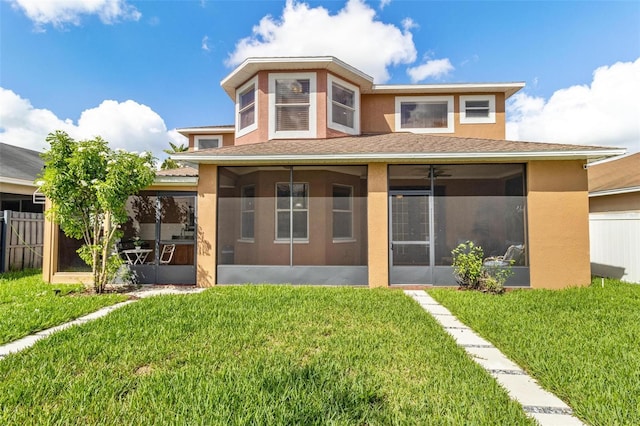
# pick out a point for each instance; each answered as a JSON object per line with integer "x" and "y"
{"x": 424, "y": 114}
{"x": 292, "y": 105}
{"x": 343, "y": 106}
{"x": 246, "y": 111}
{"x": 207, "y": 142}
{"x": 477, "y": 109}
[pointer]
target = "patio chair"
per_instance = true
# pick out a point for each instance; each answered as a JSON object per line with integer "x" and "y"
{"x": 514, "y": 256}
{"x": 167, "y": 253}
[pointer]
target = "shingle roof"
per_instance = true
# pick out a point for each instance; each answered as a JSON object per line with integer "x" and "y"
{"x": 616, "y": 174}
{"x": 181, "y": 172}
{"x": 19, "y": 163}
{"x": 397, "y": 146}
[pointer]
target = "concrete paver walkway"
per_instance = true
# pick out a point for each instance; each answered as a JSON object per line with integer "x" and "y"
{"x": 546, "y": 408}
{"x": 148, "y": 291}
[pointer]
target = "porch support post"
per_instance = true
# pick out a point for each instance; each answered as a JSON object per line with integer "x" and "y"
{"x": 377, "y": 219}
{"x": 558, "y": 221}
{"x": 207, "y": 225}
{"x": 50, "y": 247}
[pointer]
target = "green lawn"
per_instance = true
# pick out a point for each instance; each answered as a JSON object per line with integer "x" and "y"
{"x": 583, "y": 344}
{"x": 255, "y": 355}
{"x": 28, "y": 305}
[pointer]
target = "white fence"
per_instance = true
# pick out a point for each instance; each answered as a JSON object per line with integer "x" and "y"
{"x": 615, "y": 245}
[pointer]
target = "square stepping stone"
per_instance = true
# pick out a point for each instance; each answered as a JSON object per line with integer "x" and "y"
{"x": 449, "y": 321}
{"x": 526, "y": 391}
{"x": 556, "y": 419}
{"x": 466, "y": 337}
{"x": 492, "y": 359}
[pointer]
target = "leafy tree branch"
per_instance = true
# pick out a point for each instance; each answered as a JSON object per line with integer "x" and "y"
{"x": 88, "y": 184}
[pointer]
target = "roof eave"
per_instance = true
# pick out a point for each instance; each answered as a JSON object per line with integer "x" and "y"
{"x": 397, "y": 157}
{"x": 186, "y": 131}
{"x": 175, "y": 180}
{"x": 615, "y": 191}
{"x": 20, "y": 182}
{"x": 251, "y": 66}
{"x": 508, "y": 89}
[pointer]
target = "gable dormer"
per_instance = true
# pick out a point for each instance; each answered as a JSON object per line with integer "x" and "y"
{"x": 323, "y": 97}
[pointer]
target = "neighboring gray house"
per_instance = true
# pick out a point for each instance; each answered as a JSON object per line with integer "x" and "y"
{"x": 19, "y": 168}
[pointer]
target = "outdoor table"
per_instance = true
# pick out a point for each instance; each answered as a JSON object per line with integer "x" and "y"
{"x": 136, "y": 256}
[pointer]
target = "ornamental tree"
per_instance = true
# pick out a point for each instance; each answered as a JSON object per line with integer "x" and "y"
{"x": 88, "y": 184}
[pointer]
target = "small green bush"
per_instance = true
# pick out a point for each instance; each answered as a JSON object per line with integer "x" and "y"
{"x": 467, "y": 264}
{"x": 470, "y": 272}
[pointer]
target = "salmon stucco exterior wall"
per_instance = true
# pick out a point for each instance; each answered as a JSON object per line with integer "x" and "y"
{"x": 207, "y": 230}
{"x": 558, "y": 223}
{"x": 378, "y": 219}
{"x": 378, "y": 116}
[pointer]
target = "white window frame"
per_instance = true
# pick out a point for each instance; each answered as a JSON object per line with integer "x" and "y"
{"x": 478, "y": 120}
{"x": 312, "y": 132}
{"x": 291, "y": 209}
{"x": 350, "y": 211}
{"x": 196, "y": 141}
{"x": 244, "y": 210}
{"x": 426, "y": 99}
{"x": 356, "y": 106}
{"x": 250, "y": 128}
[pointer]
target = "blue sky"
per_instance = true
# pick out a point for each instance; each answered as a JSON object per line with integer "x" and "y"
{"x": 133, "y": 71}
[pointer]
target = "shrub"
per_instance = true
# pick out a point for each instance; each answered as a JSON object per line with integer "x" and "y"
{"x": 467, "y": 264}
{"x": 470, "y": 272}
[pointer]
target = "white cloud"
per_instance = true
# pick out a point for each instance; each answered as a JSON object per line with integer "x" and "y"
{"x": 23, "y": 125}
{"x": 384, "y": 3}
{"x": 128, "y": 125}
{"x": 355, "y": 36}
{"x": 205, "y": 44}
{"x": 61, "y": 12}
{"x": 434, "y": 68}
{"x": 409, "y": 24}
{"x": 604, "y": 113}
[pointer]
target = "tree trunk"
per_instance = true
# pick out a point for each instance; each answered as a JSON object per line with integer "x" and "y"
{"x": 104, "y": 248}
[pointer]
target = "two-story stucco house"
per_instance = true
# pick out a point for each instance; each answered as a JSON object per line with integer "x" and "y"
{"x": 328, "y": 178}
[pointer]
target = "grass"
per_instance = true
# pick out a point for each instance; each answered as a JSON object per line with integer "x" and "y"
{"x": 257, "y": 355}
{"x": 583, "y": 344}
{"x": 28, "y": 305}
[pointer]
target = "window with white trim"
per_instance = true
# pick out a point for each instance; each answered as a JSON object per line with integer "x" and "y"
{"x": 292, "y": 105}
{"x": 247, "y": 212}
{"x": 477, "y": 109}
{"x": 294, "y": 202}
{"x": 207, "y": 142}
{"x": 424, "y": 114}
{"x": 342, "y": 212}
{"x": 343, "y": 106}
{"x": 246, "y": 107}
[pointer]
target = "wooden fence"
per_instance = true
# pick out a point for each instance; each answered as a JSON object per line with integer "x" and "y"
{"x": 21, "y": 240}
